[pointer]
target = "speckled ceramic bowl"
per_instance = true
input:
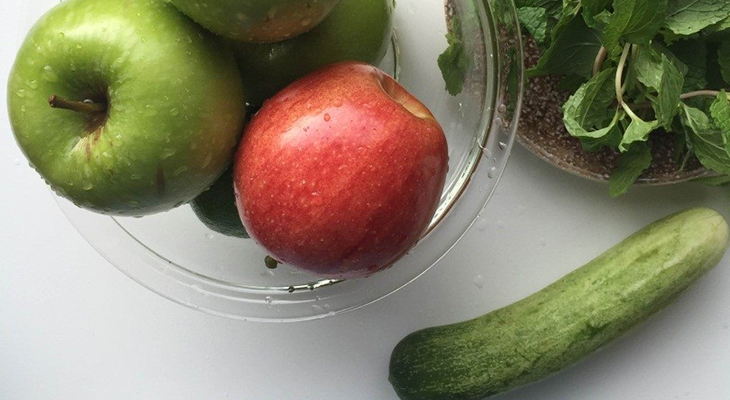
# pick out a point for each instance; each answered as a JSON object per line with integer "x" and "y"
{"x": 543, "y": 133}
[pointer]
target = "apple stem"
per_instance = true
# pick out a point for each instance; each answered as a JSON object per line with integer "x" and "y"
{"x": 85, "y": 106}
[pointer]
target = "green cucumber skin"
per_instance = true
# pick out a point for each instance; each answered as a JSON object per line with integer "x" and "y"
{"x": 555, "y": 327}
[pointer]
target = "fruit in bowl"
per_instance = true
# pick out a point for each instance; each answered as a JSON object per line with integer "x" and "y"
{"x": 145, "y": 111}
{"x": 341, "y": 172}
{"x": 172, "y": 254}
{"x": 355, "y": 30}
{"x": 216, "y": 207}
{"x": 257, "y": 21}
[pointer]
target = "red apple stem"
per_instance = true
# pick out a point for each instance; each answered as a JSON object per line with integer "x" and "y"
{"x": 85, "y": 106}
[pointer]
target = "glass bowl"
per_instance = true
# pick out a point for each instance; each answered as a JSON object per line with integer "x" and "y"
{"x": 176, "y": 256}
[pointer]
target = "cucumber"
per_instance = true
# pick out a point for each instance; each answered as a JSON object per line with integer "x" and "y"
{"x": 555, "y": 327}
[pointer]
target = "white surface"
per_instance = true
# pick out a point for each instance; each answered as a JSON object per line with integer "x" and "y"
{"x": 73, "y": 327}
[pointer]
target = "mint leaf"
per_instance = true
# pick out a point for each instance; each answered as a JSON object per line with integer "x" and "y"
{"x": 588, "y": 114}
{"x": 571, "y": 53}
{"x": 723, "y": 58}
{"x": 631, "y": 165}
{"x": 568, "y": 13}
{"x": 705, "y": 140}
{"x": 686, "y": 17}
{"x": 693, "y": 54}
{"x": 637, "y": 131}
{"x": 535, "y": 20}
{"x": 453, "y": 62}
{"x": 720, "y": 27}
{"x": 720, "y": 112}
{"x": 648, "y": 66}
{"x": 666, "y": 105}
{"x": 594, "y": 140}
{"x": 664, "y": 79}
{"x": 593, "y": 11}
{"x": 636, "y": 21}
{"x": 590, "y": 105}
{"x": 552, "y": 7}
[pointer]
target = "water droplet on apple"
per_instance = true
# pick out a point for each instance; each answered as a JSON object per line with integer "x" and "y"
{"x": 167, "y": 153}
{"x": 61, "y": 35}
{"x": 20, "y": 93}
{"x": 88, "y": 186}
{"x": 33, "y": 84}
{"x": 143, "y": 40}
{"x": 132, "y": 203}
{"x": 327, "y": 117}
{"x": 479, "y": 281}
{"x": 78, "y": 45}
{"x": 150, "y": 111}
{"x": 179, "y": 171}
{"x": 306, "y": 22}
{"x": 174, "y": 112}
{"x": 208, "y": 159}
{"x": 48, "y": 74}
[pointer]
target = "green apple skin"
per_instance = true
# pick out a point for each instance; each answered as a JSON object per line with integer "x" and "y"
{"x": 176, "y": 106}
{"x": 355, "y": 30}
{"x": 257, "y": 21}
{"x": 216, "y": 207}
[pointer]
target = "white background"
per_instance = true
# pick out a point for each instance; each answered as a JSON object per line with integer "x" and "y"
{"x": 74, "y": 327}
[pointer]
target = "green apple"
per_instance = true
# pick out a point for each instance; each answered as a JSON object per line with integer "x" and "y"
{"x": 355, "y": 30}
{"x": 145, "y": 111}
{"x": 257, "y": 21}
{"x": 216, "y": 207}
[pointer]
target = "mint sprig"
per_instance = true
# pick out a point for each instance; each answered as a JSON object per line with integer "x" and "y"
{"x": 643, "y": 68}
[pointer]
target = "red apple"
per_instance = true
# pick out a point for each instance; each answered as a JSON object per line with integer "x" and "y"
{"x": 341, "y": 172}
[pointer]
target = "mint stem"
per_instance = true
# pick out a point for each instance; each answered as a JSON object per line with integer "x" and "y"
{"x": 698, "y": 93}
{"x": 600, "y": 59}
{"x": 620, "y": 74}
{"x": 684, "y": 96}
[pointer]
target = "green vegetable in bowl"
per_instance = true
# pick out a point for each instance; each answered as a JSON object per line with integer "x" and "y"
{"x": 639, "y": 70}
{"x": 557, "y": 326}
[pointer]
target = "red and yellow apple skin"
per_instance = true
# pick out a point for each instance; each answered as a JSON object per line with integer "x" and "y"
{"x": 341, "y": 172}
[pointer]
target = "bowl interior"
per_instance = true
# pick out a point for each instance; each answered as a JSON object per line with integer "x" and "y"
{"x": 175, "y": 255}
